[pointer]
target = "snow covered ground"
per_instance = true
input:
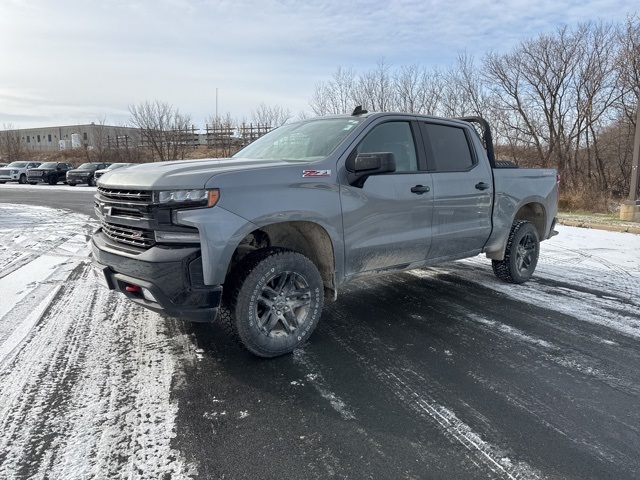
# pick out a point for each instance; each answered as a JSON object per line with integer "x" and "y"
{"x": 86, "y": 377}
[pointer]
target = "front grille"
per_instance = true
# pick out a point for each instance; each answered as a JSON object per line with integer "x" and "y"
{"x": 143, "y": 196}
{"x": 5, "y": 172}
{"x": 35, "y": 173}
{"x": 137, "y": 237}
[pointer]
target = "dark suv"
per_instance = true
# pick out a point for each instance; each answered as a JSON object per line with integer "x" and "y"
{"x": 85, "y": 173}
{"x": 49, "y": 172}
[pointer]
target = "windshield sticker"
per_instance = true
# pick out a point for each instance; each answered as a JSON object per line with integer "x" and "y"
{"x": 316, "y": 173}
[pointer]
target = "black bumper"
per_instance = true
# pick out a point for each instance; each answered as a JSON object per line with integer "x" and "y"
{"x": 165, "y": 280}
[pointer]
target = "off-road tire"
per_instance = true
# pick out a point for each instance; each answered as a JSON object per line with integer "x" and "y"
{"x": 273, "y": 301}
{"x": 521, "y": 255}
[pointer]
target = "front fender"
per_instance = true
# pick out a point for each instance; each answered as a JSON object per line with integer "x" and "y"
{"x": 220, "y": 233}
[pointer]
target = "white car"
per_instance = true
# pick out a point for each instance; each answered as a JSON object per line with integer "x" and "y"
{"x": 113, "y": 166}
{"x": 16, "y": 171}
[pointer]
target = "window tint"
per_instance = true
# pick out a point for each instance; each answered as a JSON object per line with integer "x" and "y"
{"x": 450, "y": 148}
{"x": 394, "y": 137}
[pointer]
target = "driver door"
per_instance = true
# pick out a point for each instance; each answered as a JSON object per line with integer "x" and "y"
{"x": 387, "y": 222}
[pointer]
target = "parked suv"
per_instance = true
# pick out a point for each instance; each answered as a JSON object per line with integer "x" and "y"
{"x": 49, "y": 172}
{"x": 85, "y": 173}
{"x": 16, "y": 171}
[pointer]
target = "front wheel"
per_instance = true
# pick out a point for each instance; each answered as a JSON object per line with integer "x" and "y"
{"x": 92, "y": 182}
{"x": 71, "y": 184}
{"x": 275, "y": 301}
{"x": 53, "y": 180}
{"x": 23, "y": 179}
{"x": 521, "y": 255}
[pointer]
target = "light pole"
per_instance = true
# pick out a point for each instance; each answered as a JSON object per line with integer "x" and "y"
{"x": 630, "y": 210}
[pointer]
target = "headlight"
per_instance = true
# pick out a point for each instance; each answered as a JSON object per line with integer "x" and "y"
{"x": 188, "y": 197}
{"x": 14, "y": 172}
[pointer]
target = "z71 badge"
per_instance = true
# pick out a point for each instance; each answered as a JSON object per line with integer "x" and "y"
{"x": 316, "y": 173}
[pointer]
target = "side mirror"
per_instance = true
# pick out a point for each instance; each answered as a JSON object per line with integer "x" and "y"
{"x": 364, "y": 165}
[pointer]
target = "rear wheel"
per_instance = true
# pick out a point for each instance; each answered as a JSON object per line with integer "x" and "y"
{"x": 521, "y": 255}
{"x": 274, "y": 301}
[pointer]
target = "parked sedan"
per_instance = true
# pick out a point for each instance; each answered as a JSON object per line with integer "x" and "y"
{"x": 16, "y": 171}
{"x": 113, "y": 166}
{"x": 49, "y": 172}
{"x": 85, "y": 173}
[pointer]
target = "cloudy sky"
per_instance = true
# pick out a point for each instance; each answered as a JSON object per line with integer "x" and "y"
{"x": 75, "y": 61}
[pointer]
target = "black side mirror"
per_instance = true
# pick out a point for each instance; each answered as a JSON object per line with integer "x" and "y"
{"x": 364, "y": 165}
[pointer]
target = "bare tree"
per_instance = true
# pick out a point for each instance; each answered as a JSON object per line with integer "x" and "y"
{"x": 168, "y": 133}
{"x": 12, "y": 146}
{"x": 336, "y": 96}
{"x": 271, "y": 116}
{"x": 374, "y": 89}
{"x": 222, "y": 135}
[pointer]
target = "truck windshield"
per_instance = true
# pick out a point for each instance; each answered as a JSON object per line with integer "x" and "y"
{"x": 301, "y": 142}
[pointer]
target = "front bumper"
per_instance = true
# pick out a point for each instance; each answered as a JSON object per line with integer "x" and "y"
{"x": 165, "y": 280}
{"x": 76, "y": 180}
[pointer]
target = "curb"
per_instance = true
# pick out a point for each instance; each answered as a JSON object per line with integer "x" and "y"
{"x": 601, "y": 226}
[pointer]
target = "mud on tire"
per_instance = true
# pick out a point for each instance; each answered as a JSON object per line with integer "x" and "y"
{"x": 273, "y": 301}
{"x": 521, "y": 255}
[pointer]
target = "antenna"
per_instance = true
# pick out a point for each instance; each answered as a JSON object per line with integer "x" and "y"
{"x": 359, "y": 111}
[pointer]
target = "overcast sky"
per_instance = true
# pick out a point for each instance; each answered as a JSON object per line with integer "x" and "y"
{"x": 69, "y": 62}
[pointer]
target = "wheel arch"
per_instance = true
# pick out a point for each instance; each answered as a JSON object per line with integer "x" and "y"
{"x": 535, "y": 213}
{"x": 308, "y": 238}
{"x": 532, "y": 211}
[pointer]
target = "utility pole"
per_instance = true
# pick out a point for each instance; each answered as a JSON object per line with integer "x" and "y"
{"x": 630, "y": 210}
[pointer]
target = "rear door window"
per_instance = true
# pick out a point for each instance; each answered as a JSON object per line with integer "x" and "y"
{"x": 449, "y": 148}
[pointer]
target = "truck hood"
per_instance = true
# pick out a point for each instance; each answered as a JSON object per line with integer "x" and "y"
{"x": 179, "y": 174}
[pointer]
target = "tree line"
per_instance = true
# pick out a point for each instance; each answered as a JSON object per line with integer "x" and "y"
{"x": 565, "y": 99}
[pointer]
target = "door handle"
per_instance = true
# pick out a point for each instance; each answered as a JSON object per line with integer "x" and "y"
{"x": 482, "y": 186}
{"x": 419, "y": 189}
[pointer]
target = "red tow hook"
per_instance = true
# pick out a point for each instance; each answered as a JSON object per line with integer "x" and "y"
{"x": 133, "y": 288}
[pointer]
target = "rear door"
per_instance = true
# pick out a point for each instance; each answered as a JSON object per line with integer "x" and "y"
{"x": 387, "y": 222}
{"x": 462, "y": 190}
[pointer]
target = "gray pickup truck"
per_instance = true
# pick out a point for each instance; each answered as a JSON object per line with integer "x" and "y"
{"x": 260, "y": 239}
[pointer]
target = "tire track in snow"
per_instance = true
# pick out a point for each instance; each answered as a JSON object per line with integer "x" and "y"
{"x": 413, "y": 390}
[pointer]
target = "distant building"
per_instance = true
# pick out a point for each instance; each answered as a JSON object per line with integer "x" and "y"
{"x": 76, "y": 136}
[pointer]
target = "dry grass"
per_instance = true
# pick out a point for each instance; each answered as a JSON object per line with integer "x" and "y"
{"x": 586, "y": 199}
